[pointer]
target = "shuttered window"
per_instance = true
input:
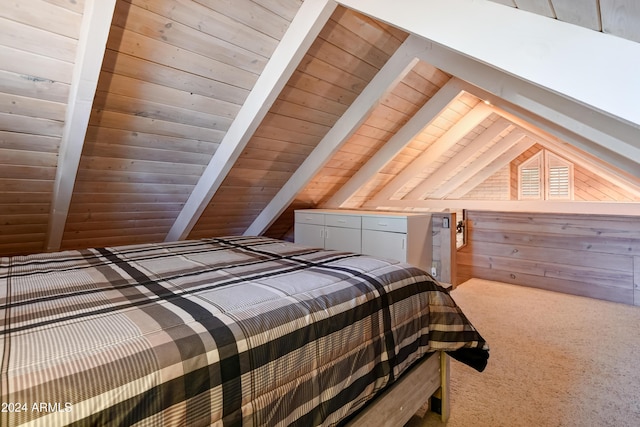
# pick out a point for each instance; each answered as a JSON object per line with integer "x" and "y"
{"x": 530, "y": 178}
{"x": 545, "y": 176}
{"x": 559, "y": 177}
{"x": 530, "y": 183}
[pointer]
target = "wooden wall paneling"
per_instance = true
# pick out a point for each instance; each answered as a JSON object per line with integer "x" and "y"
{"x": 31, "y": 107}
{"x": 221, "y": 113}
{"x": 94, "y": 32}
{"x": 252, "y": 15}
{"x": 322, "y": 88}
{"x": 467, "y": 149}
{"x": 395, "y": 153}
{"x": 52, "y": 85}
{"x": 583, "y": 13}
{"x": 495, "y": 187}
{"x": 25, "y": 38}
{"x": 636, "y": 280}
{"x": 35, "y": 87}
{"x": 45, "y": 16}
{"x": 286, "y": 9}
{"x": 582, "y": 225}
{"x": 384, "y": 38}
{"x": 329, "y": 70}
{"x": 456, "y": 130}
{"x": 511, "y": 3}
{"x": 145, "y": 125}
{"x": 122, "y": 64}
{"x": 154, "y": 50}
{"x": 307, "y": 22}
{"x": 31, "y": 125}
{"x": 74, "y": 6}
{"x": 189, "y": 37}
{"x": 273, "y": 148}
{"x": 316, "y": 103}
{"x": 37, "y": 49}
{"x": 485, "y": 165}
{"x": 161, "y": 112}
{"x": 291, "y": 108}
{"x": 529, "y": 26}
{"x": 358, "y": 113}
{"x": 340, "y": 79}
{"x": 134, "y": 153}
{"x": 541, "y": 7}
{"x": 591, "y": 255}
{"x": 335, "y": 50}
{"x": 620, "y": 18}
{"x": 465, "y": 155}
{"x": 589, "y": 187}
{"x": 350, "y": 157}
{"x": 208, "y": 19}
{"x": 534, "y": 280}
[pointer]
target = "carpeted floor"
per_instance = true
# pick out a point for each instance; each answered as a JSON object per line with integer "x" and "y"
{"x": 556, "y": 360}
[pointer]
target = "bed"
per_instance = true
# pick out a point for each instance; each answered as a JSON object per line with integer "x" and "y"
{"x": 223, "y": 331}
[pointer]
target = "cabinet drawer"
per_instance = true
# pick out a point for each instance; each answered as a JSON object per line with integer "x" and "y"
{"x": 345, "y": 221}
{"x": 309, "y": 218}
{"x": 397, "y": 225}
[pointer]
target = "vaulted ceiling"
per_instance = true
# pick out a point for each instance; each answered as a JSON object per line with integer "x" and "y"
{"x": 127, "y": 121}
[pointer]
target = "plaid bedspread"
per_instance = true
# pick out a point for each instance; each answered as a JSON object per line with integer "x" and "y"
{"x": 227, "y": 331}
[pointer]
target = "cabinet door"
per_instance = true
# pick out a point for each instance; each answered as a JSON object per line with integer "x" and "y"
{"x": 384, "y": 244}
{"x": 342, "y": 239}
{"x": 309, "y": 234}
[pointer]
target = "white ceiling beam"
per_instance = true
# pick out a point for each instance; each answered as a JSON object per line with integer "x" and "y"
{"x": 615, "y": 141}
{"x": 465, "y": 125}
{"x": 562, "y": 141}
{"x": 499, "y": 156}
{"x": 627, "y": 182}
{"x": 436, "y": 178}
{"x": 94, "y": 32}
{"x": 481, "y": 168}
{"x": 396, "y": 68}
{"x": 303, "y": 30}
{"x": 523, "y": 119}
{"x": 547, "y": 206}
{"x": 427, "y": 114}
{"x": 536, "y": 63}
{"x": 588, "y": 162}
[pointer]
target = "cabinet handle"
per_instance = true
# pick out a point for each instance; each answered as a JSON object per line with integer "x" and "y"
{"x": 382, "y": 224}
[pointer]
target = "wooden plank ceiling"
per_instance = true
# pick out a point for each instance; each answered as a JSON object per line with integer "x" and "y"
{"x": 615, "y": 17}
{"x": 358, "y": 120}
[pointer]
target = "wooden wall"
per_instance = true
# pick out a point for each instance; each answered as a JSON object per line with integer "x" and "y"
{"x": 38, "y": 43}
{"x": 174, "y": 77}
{"x": 592, "y": 255}
{"x": 349, "y": 51}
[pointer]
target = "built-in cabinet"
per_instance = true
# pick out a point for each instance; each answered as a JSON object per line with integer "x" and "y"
{"x": 402, "y": 236}
{"x": 329, "y": 231}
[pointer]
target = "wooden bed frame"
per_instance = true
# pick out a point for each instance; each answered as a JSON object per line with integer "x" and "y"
{"x": 425, "y": 383}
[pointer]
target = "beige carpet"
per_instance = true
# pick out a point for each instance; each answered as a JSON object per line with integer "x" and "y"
{"x": 556, "y": 360}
